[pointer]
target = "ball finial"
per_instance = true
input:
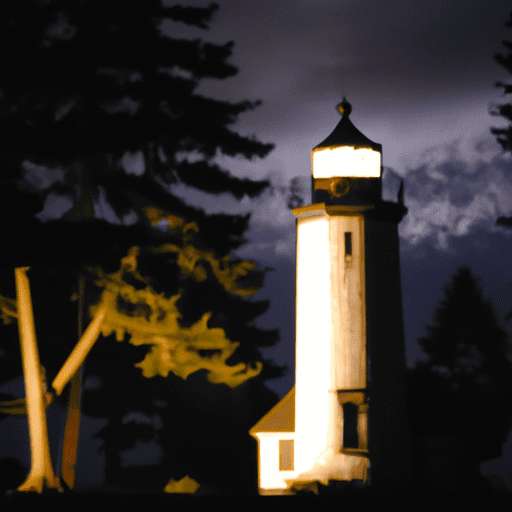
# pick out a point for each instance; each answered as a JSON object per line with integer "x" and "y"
{"x": 344, "y": 107}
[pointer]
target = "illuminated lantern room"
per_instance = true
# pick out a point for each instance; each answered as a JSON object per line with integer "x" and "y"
{"x": 347, "y": 165}
{"x": 345, "y": 419}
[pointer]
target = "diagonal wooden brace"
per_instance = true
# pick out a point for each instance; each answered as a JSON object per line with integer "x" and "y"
{"x": 79, "y": 353}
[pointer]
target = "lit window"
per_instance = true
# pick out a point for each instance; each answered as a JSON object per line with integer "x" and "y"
{"x": 285, "y": 454}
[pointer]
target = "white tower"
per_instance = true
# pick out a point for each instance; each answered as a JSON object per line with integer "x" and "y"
{"x": 349, "y": 415}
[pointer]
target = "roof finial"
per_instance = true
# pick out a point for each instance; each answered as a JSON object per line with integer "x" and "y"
{"x": 344, "y": 107}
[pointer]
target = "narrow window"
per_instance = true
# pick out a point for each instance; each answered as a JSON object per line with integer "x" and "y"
{"x": 285, "y": 454}
{"x": 350, "y": 437}
{"x": 348, "y": 243}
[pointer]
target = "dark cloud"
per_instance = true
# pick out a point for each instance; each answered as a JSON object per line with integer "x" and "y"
{"x": 455, "y": 188}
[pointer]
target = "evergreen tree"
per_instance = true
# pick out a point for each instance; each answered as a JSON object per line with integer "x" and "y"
{"x": 504, "y": 135}
{"x": 19, "y": 203}
{"x": 93, "y": 87}
{"x": 91, "y": 81}
{"x": 465, "y": 385}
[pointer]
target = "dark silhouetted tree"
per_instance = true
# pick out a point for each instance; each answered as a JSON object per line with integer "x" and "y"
{"x": 84, "y": 90}
{"x": 464, "y": 388}
{"x": 504, "y": 135}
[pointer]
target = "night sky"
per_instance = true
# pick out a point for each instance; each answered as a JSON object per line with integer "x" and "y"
{"x": 420, "y": 77}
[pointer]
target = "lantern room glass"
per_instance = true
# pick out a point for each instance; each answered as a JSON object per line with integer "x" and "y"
{"x": 346, "y": 161}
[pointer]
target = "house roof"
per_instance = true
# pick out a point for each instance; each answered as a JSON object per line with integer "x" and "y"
{"x": 281, "y": 418}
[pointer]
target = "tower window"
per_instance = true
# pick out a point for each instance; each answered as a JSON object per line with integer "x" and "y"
{"x": 353, "y": 417}
{"x": 285, "y": 454}
{"x": 348, "y": 243}
{"x": 350, "y": 436}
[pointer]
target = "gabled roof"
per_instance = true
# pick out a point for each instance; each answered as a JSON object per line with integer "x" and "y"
{"x": 281, "y": 418}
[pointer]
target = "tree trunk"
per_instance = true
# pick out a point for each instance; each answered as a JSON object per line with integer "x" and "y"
{"x": 83, "y": 208}
{"x": 83, "y": 202}
{"x": 70, "y": 446}
{"x": 41, "y": 469}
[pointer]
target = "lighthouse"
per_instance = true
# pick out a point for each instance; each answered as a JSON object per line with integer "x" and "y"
{"x": 346, "y": 418}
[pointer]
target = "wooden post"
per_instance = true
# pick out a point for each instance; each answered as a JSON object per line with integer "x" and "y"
{"x": 41, "y": 468}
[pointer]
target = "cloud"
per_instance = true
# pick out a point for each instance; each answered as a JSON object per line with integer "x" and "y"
{"x": 454, "y": 187}
{"x": 450, "y": 190}
{"x": 272, "y": 225}
{"x": 271, "y": 230}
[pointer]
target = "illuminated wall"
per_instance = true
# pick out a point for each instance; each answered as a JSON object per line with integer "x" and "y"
{"x": 313, "y": 330}
{"x": 330, "y": 326}
{"x": 271, "y": 477}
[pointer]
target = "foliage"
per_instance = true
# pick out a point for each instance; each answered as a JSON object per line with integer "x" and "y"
{"x": 156, "y": 323}
{"x": 465, "y": 337}
{"x": 88, "y": 94}
{"x": 180, "y": 403}
{"x": 466, "y": 382}
{"x": 504, "y": 135}
{"x": 185, "y": 486}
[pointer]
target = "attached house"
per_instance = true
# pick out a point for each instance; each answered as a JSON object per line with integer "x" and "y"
{"x": 275, "y": 433}
{"x": 278, "y": 473}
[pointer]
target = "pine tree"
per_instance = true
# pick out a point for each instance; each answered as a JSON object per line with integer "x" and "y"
{"x": 68, "y": 105}
{"x": 90, "y": 82}
{"x": 25, "y": 201}
{"x": 466, "y": 383}
{"x": 504, "y": 135}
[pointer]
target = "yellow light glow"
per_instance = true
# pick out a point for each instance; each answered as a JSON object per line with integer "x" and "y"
{"x": 174, "y": 349}
{"x": 346, "y": 161}
{"x": 186, "y": 485}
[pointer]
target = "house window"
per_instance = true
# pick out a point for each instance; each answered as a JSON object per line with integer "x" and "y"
{"x": 285, "y": 454}
{"x": 350, "y": 435}
{"x": 348, "y": 243}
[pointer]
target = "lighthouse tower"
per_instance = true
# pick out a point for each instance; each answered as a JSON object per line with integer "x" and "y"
{"x": 345, "y": 419}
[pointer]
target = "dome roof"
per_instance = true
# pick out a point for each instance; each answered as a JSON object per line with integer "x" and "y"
{"x": 346, "y": 134}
